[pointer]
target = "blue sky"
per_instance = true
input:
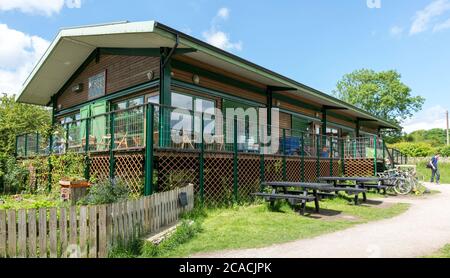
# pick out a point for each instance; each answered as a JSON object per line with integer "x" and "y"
{"x": 315, "y": 42}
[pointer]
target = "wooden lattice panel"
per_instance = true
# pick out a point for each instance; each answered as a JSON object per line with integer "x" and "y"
{"x": 177, "y": 169}
{"x": 273, "y": 168}
{"x": 129, "y": 169}
{"x": 293, "y": 169}
{"x": 249, "y": 178}
{"x": 310, "y": 170}
{"x": 359, "y": 167}
{"x": 99, "y": 168}
{"x": 218, "y": 178}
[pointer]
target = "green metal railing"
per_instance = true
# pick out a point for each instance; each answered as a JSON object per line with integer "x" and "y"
{"x": 161, "y": 127}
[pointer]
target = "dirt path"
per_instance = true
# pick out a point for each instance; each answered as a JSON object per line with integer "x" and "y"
{"x": 420, "y": 231}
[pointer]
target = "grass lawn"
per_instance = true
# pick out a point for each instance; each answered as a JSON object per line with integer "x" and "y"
{"x": 28, "y": 201}
{"x": 258, "y": 225}
{"x": 443, "y": 253}
{"x": 425, "y": 173}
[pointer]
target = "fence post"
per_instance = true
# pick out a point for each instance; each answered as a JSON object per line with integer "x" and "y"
{"x": 284, "y": 155}
{"x": 375, "y": 162}
{"x": 383, "y": 146}
{"x": 150, "y": 119}
{"x": 262, "y": 176}
{"x": 202, "y": 160}
{"x": 235, "y": 160}
{"x": 112, "y": 162}
{"x": 302, "y": 153}
{"x": 318, "y": 156}
{"x": 86, "y": 151}
{"x": 15, "y": 146}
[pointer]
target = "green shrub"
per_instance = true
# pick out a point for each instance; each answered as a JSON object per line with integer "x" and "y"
{"x": 415, "y": 149}
{"x": 13, "y": 175}
{"x": 106, "y": 193}
{"x": 445, "y": 151}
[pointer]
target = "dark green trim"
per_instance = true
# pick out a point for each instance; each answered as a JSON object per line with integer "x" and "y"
{"x": 375, "y": 162}
{"x": 148, "y": 182}
{"x": 302, "y": 166}
{"x": 50, "y": 149}
{"x": 112, "y": 96}
{"x": 202, "y": 161}
{"x": 165, "y": 97}
{"x": 86, "y": 147}
{"x": 149, "y": 52}
{"x": 318, "y": 139}
{"x": 26, "y": 145}
{"x": 235, "y": 160}
{"x": 217, "y": 77}
{"x": 331, "y": 157}
{"x": 284, "y": 156}
{"x": 262, "y": 170}
{"x": 343, "y": 156}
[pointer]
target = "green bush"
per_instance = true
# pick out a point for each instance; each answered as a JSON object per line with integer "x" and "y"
{"x": 13, "y": 175}
{"x": 445, "y": 151}
{"x": 106, "y": 193}
{"x": 415, "y": 149}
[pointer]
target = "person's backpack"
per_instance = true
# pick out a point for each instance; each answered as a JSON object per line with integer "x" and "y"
{"x": 429, "y": 165}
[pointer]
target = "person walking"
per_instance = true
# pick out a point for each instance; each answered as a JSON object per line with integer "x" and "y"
{"x": 435, "y": 168}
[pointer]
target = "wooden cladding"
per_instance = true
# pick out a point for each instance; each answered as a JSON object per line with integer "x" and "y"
{"x": 121, "y": 72}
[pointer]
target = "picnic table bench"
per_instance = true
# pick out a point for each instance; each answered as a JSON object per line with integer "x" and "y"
{"x": 306, "y": 192}
{"x": 359, "y": 183}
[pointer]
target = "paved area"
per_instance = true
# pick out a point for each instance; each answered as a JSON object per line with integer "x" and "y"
{"x": 420, "y": 231}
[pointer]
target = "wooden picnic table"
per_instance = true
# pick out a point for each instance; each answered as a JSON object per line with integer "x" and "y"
{"x": 308, "y": 192}
{"x": 359, "y": 183}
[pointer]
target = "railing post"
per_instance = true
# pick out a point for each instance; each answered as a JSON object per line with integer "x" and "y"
{"x": 150, "y": 119}
{"x": 284, "y": 155}
{"x": 201, "y": 160}
{"x": 86, "y": 151}
{"x": 354, "y": 147}
{"x": 331, "y": 156}
{"x": 375, "y": 141}
{"x": 235, "y": 160}
{"x": 66, "y": 147}
{"x": 112, "y": 162}
{"x": 16, "y": 153}
{"x": 318, "y": 156}
{"x": 302, "y": 153}
{"x": 343, "y": 156}
{"x": 37, "y": 143}
{"x": 262, "y": 169}
{"x": 383, "y": 146}
{"x": 26, "y": 145}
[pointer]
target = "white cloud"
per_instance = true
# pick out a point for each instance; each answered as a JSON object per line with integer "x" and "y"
{"x": 19, "y": 52}
{"x": 223, "y": 13}
{"x": 442, "y": 26}
{"x": 424, "y": 18}
{"x": 396, "y": 31}
{"x": 45, "y": 7}
{"x": 433, "y": 117}
{"x": 219, "y": 38}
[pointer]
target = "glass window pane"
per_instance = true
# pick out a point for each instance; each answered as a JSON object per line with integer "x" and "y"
{"x": 181, "y": 101}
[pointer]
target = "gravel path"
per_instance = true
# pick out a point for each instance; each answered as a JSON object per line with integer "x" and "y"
{"x": 420, "y": 231}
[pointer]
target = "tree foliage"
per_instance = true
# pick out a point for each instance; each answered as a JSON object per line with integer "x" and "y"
{"x": 383, "y": 94}
{"x": 17, "y": 118}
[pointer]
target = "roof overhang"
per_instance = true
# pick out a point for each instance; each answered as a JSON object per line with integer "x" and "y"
{"x": 72, "y": 46}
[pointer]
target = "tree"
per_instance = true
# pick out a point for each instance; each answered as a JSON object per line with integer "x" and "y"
{"x": 383, "y": 94}
{"x": 17, "y": 118}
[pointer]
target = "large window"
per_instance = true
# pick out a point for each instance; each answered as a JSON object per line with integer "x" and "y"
{"x": 190, "y": 121}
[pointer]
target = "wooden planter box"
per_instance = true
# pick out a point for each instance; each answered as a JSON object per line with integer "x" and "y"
{"x": 73, "y": 190}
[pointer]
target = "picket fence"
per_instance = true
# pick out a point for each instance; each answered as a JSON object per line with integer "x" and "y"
{"x": 87, "y": 231}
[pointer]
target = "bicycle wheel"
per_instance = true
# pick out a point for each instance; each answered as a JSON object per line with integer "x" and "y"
{"x": 403, "y": 187}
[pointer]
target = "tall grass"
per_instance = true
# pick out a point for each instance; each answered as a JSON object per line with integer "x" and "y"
{"x": 425, "y": 173}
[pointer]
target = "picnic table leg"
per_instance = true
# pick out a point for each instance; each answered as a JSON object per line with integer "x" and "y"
{"x": 356, "y": 198}
{"x": 316, "y": 200}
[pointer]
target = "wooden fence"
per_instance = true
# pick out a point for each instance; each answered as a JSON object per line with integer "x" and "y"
{"x": 87, "y": 231}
